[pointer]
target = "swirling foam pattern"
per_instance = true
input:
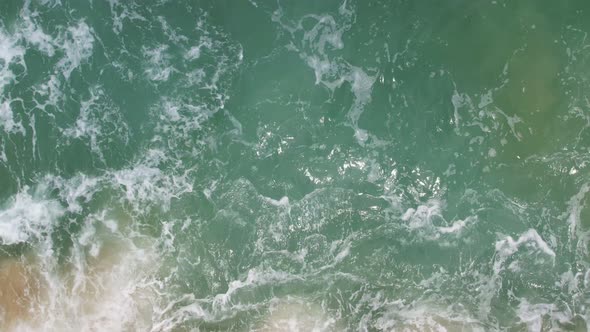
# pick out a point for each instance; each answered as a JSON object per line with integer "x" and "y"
{"x": 337, "y": 165}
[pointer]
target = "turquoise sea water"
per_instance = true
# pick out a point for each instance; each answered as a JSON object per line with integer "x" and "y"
{"x": 294, "y": 165}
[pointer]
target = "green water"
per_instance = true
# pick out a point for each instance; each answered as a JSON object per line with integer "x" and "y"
{"x": 294, "y": 165}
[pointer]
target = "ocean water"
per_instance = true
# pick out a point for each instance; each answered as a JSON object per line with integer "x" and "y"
{"x": 250, "y": 165}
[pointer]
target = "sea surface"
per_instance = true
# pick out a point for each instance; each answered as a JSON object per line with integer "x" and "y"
{"x": 250, "y": 165}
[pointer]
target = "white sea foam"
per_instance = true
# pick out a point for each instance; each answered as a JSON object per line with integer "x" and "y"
{"x": 533, "y": 315}
{"x": 362, "y": 85}
{"x": 297, "y": 315}
{"x": 50, "y": 92}
{"x": 84, "y": 126}
{"x": 457, "y": 226}
{"x": 74, "y": 43}
{"x": 177, "y": 122}
{"x": 108, "y": 282}
{"x": 50, "y": 3}
{"x": 423, "y": 214}
{"x": 185, "y": 308}
{"x": 459, "y": 100}
{"x": 427, "y": 220}
{"x": 34, "y": 34}
{"x": 419, "y": 316}
{"x": 98, "y": 113}
{"x": 74, "y": 191}
{"x": 481, "y": 119}
{"x": 283, "y": 202}
{"x": 3, "y": 156}
{"x": 171, "y": 33}
{"x": 178, "y": 311}
{"x": 145, "y": 184}
{"x": 255, "y": 278}
{"x": 120, "y": 12}
{"x": 7, "y": 122}
{"x": 507, "y": 247}
{"x": 486, "y": 99}
{"x": 316, "y": 48}
{"x": 77, "y": 44}
{"x": 11, "y": 53}
{"x": 26, "y": 216}
{"x": 158, "y": 67}
{"x": 193, "y": 53}
{"x": 110, "y": 290}
{"x": 205, "y": 42}
{"x": 575, "y": 210}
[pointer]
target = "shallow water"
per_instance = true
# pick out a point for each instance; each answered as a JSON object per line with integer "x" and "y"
{"x": 294, "y": 165}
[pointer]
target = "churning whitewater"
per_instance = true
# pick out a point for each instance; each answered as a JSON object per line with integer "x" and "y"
{"x": 337, "y": 165}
